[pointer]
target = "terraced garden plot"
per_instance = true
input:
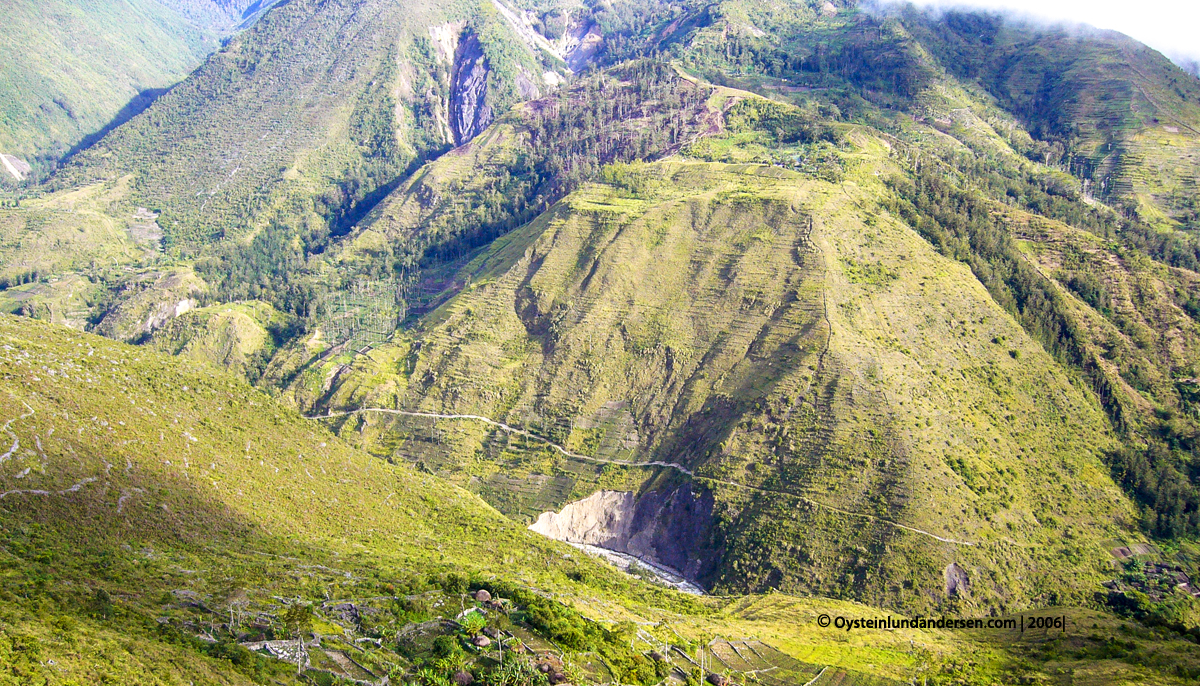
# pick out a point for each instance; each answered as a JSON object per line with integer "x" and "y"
{"x": 753, "y": 661}
{"x": 767, "y": 664}
{"x": 524, "y": 499}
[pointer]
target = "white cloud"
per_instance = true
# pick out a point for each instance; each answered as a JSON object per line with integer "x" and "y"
{"x": 1170, "y": 26}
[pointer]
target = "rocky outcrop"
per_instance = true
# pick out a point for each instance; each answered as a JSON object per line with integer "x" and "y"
{"x": 149, "y": 301}
{"x": 526, "y": 87}
{"x": 604, "y": 519}
{"x": 581, "y": 44}
{"x": 957, "y": 581}
{"x": 470, "y": 112}
{"x": 671, "y": 527}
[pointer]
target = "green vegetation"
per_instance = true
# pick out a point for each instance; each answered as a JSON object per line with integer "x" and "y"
{"x": 1097, "y": 107}
{"x": 200, "y": 561}
{"x": 242, "y": 337}
{"x": 635, "y": 111}
{"x": 88, "y": 66}
{"x": 194, "y": 532}
{"x": 853, "y": 57}
{"x": 310, "y": 144}
{"x": 887, "y": 307}
{"x": 971, "y": 227}
{"x": 698, "y": 314}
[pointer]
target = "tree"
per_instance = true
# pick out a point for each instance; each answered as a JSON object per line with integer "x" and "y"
{"x": 237, "y": 601}
{"x": 298, "y": 619}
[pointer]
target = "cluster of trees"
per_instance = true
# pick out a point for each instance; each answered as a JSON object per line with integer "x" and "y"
{"x": 639, "y": 110}
{"x": 1163, "y": 481}
{"x": 592, "y": 125}
{"x": 787, "y": 124}
{"x": 867, "y": 57}
{"x": 270, "y": 267}
{"x": 1160, "y": 466}
{"x": 568, "y": 628}
{"x": 627, "y": 25}
{"x": 1089, "y": 288}
{"x": 1057, "y": 197}
{"x": 20, "y": 279}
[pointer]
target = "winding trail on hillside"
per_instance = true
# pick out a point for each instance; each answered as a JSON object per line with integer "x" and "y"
{"x": 16, "y": 441}
{"x": 512, "y": 430}
{"x": 37, "y": 491}
{"x": 73, "y": 488}
{"x": 654, "y": 463}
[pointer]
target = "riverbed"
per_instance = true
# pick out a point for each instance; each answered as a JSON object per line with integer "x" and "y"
{"x": 623, "y": 561}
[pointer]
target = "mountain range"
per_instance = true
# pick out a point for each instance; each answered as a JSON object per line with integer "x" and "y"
{"x": 816, "y": 308}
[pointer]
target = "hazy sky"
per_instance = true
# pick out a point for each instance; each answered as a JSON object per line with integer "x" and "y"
{"x": 1170, "y": 26}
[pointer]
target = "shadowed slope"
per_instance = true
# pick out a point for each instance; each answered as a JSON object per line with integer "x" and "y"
{"x": 71, "y": 66}
{"x": 126, "y": 474}
{"x": 746, "y": 322}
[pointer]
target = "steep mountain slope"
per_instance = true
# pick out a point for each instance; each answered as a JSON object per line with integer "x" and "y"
{"x": 73, "y": 66}
{"x": 883, "y": 306}
{"x": 775, "y": 334}
{"x": 853, "y": 346}
{"x": 934, "y": 83}
{"x": 256, "y": 135}
{"x": 532, "y": 157}
{"x": 154, "y": 512}
{"x": 278, "y": 179}
{"x": 1111, "y": 109}
{"x": 1096, "y": 104}
{"x": 137, "y": 487}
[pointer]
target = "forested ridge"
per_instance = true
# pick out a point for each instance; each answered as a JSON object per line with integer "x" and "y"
{"x": 1160, "y": 467}
{"x": 636, "y": 111}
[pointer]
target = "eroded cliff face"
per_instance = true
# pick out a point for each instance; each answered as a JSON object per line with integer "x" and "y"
{"x": 147, "y": 302}
{"x": 580, "y": 45}
{"x": 470, "y": 112}
{"x": 671, "y": 527}
{"x": 603, "y": 519}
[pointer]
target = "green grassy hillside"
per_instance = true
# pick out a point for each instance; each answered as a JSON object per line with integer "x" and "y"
{"x": 959, "y": 94}
{"x": 147, "y": 500}
{"x": 731, "y": 413}
{"x": 1109, "y": 108}
{"x": 157, "y": 514}
{"x": 256, "y": 136}
{"x": 1095, "y": 104}
{"x": 747, "y": 322}
{"x": 850, "y": 303}
{"x": 83, "y": 64}
{"x": 85, "y": 67}
{"x": 241, "y": 337}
